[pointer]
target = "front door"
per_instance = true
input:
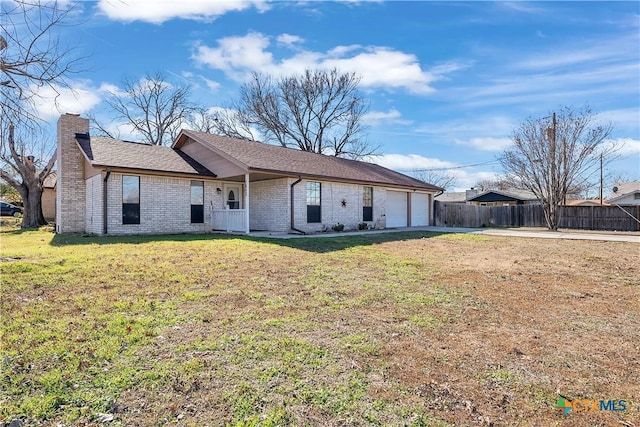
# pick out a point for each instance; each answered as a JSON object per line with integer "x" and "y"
{"x": 233, "y": 197}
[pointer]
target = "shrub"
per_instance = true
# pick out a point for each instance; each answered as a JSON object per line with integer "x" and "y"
{"x": 363, "y": 226}
{"x": 338, "y": 227}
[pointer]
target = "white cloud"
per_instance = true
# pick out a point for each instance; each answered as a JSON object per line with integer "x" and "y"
{"x": 157, "y": 12}
{"x": 379, "y": 67}
{"x": 51, "y": 102}
{"x": 124, "y": 131}
{"x": 565, "y": 72}
{"x": 480, "y": 125}
{"x": 112, "y": 89}
{"x": 387, "y": 68}
{"x": 236, "y": 55}
{"x": 211, "y": 84}
{"x": 522, "y": 6}
{"x": 408, "y": 162}
{"x": 465, "y": 177}
{"x": 343, "y": 50}
{"x": 602, "y": 50}
{"x": 289, "y": 39}
{"x": 376, "y": 118}
{"x": 627, "y": 147}
{"x": 622, "y": 119}
{"x": 487, "y": 143}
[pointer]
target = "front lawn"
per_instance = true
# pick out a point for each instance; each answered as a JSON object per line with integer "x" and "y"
{"x": 393, "y": 329}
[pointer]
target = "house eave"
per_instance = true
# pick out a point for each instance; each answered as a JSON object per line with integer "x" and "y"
{"x": 623, "y": 196}
{"x": 290, "y": 174}
{"x": 154, "y": 172}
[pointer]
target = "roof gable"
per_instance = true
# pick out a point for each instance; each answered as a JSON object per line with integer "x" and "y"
{"x": 256, "y": 156}
{"x": 499, "y": 196}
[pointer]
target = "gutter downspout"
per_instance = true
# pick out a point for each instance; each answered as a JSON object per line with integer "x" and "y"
{"x": 104, "y": 201}
{"x": 293, "y": 228}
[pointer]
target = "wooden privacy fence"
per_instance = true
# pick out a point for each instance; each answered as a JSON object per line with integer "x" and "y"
{"x": 572, "y": 217}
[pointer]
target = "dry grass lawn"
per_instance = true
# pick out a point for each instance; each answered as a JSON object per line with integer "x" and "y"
{"x": 395, "y": 329}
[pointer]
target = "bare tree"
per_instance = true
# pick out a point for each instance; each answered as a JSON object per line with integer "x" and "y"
{"x": 31, "y": 57}
{"x": 496, "y": 183}
{"x": 318, "y": 111}
{"x": 553, "y": 154}
{"x": 31, "y": 53}
{"x": 439, "y": 178}
{"x": 155, "y": 109}
{"x": 222, "y": 121}
{"x": 26, "y": 172}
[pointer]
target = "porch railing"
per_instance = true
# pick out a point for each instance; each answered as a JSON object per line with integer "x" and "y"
{"x": 228, "y": 220}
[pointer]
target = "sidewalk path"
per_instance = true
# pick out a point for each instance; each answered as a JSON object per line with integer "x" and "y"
{"x": 513, "y": 232}
{"x": 575, "y": 235}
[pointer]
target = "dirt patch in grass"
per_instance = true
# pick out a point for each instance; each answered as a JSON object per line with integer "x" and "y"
{"x": 403, "y": 329}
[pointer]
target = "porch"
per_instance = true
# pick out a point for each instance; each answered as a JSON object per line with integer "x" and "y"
{"x": 230, "y": 220}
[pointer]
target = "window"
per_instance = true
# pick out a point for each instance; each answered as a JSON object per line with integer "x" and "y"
{"x": 233, "y": 201}
{"x": 367, "y": 204}
{"x": 313, "y": 201}
{"x": 197, "y": 202}
{"x": 130, "y": 199}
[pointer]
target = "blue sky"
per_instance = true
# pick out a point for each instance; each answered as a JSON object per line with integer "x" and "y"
{"x": 447, "y": 81}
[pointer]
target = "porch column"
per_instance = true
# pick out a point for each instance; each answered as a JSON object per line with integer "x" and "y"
{"x": 246, "y": 203}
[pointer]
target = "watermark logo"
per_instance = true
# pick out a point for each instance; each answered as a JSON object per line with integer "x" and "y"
{"x": 563, "y": 405}
{"x": 588, "y": 405}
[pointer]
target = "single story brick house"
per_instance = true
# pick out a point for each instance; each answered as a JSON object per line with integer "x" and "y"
{"x": 205, "y": 182}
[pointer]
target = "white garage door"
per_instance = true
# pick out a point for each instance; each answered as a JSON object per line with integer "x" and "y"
{"x": 396, "y": 209}
{"x": 419, "y": 209}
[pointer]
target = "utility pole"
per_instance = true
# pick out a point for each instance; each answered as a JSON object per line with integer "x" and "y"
{"x": 601, "y": 180}
{"x": 554, "y": 178}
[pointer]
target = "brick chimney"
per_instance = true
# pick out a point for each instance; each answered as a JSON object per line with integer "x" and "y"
{"x": 70, "y": 186}
{"x": 470, "y": 194}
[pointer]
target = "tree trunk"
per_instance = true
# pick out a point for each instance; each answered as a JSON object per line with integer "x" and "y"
{"x": 32, "y": 200}
{"x": 550, "y": 215}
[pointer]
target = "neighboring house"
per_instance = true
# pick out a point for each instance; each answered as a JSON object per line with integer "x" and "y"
{"x": 207, "y": 182}
{"x": 625, "y": 193}
{"x": 585, "y": 202}
{"x": 49, "y": 197}
{"x": 503, "y": 198}
{"x": 490, "y": 197}
{"x": 452, "y": 197}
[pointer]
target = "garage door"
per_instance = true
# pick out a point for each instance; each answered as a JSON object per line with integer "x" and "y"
{"x": 396, "y": 209}
{"x": 419, "y": 209}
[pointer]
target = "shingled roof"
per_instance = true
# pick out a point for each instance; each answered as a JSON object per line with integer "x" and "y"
{"x": 256, "y": 156}
{"x": 110, "y": 152}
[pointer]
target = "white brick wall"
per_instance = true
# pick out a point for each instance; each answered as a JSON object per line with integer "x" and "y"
{"x": 269, "y": 206}
{"x": 379, "y": 208}
{"x": 165, "y": 206}
{"x": 332, "y": 210}
{"x": 94, "y": 200}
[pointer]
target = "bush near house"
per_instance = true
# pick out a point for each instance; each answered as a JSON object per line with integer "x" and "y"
{"x": 393, "y": 329}
{"x": 338, "y": 227}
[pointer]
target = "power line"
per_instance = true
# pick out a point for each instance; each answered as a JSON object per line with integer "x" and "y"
{"x": 452, "y": 167}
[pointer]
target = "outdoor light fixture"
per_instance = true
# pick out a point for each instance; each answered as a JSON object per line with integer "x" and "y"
{"x": 219, "y": 190}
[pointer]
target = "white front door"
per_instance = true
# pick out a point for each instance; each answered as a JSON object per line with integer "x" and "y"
{"x": 233, "y": 197}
